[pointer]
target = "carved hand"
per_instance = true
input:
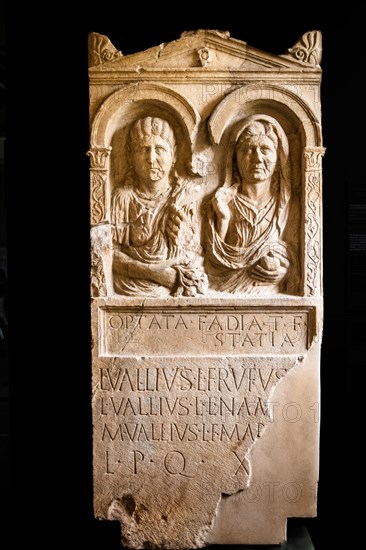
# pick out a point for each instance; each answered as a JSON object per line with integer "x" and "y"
{"x": 190, "y": 281}
{"x": 161, "y": 273}
{"x": 220, "y": 203}
{"x": 271, "y": 268}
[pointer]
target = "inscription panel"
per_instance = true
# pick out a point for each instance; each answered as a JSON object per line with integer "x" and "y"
{"x": 188, "y": 425}
{"x": 211, "y": 331}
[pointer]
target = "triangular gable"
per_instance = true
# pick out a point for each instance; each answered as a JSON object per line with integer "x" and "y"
{"x": 197, "y": 49}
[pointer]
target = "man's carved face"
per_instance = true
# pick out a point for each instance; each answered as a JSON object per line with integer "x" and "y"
{"x": 152, "y": 157}
{"x": 256, "y": 156}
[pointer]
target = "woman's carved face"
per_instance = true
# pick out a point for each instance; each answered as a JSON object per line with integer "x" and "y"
{"x": 256, "y": 156}
{"x": 152, "y": 158}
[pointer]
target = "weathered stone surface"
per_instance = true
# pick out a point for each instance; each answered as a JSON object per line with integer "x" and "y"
{"x": 206, "y": 284}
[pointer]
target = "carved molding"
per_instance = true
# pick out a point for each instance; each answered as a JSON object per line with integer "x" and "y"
{"x": 98, "y": 178}
{"x": 120, "y": 102}
{"x": 98, "y": 157}
{"x": 101, "y": 49}
{"x": 97, "y": 197}
{"x": 98, "y": 282}
{"x": 313, "y": 156}
{"x": 235, "y": 102}
{"x": 205, "y": 56}
{"x": 308, "y": 49}
{"x": 101, "y": 250}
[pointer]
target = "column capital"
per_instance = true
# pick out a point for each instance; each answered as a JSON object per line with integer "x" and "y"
{"x": 98, "y": 157}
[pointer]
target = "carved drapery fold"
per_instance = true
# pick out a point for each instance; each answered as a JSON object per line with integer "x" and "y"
{"x": 313, "y": 177}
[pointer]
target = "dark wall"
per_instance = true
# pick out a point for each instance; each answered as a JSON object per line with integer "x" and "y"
{"x": 49, "y": 251}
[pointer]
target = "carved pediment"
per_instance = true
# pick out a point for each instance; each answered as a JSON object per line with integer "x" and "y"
{"x": 204, "y": 49}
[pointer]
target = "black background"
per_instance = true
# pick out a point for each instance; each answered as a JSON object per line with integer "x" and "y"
{"x": 48, "y": 202}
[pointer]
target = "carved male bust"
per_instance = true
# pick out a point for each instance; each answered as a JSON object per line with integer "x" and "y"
{"x": 156, "y": 243}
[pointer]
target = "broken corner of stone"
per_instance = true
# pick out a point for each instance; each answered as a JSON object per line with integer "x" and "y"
{"x": 206, "y": 288}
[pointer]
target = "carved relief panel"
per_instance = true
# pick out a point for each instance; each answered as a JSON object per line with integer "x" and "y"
{"x": 205, "y": 186}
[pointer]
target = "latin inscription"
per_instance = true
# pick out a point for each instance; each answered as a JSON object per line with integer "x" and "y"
{"x": 150, "y": 416}
{"x": 126, "y": 332}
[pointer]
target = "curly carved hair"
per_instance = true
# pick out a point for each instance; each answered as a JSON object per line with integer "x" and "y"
{"x": 152, "y": 126}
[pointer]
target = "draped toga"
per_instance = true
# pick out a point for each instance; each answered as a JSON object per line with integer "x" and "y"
{"x": 139, "y": 231}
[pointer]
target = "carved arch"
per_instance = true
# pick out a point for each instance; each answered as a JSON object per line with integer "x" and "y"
{"x": 140, "y": 98}
{"x": 292, "y": 111}
{"x": 268, "y": 99}
{"x": 108, "y": 161}
{"x": 113, "y": 118}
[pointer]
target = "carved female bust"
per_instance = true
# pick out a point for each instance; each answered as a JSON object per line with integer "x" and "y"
{"x": 247, "y": 218}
